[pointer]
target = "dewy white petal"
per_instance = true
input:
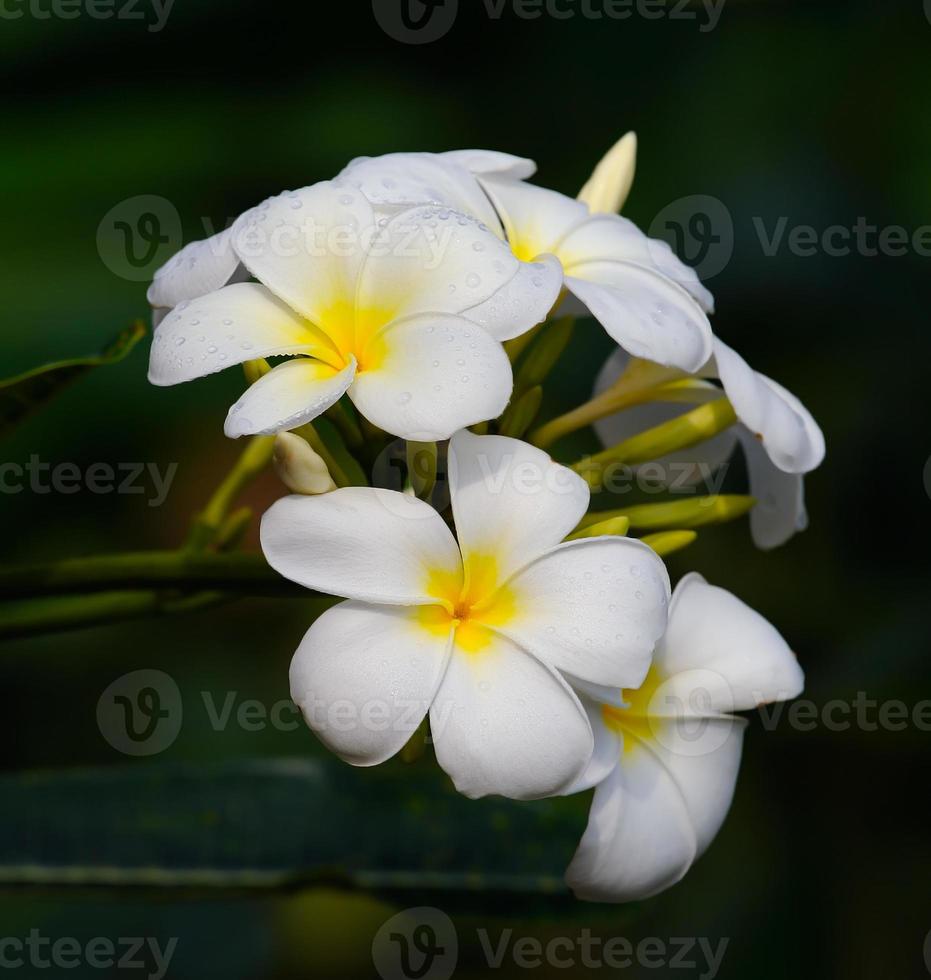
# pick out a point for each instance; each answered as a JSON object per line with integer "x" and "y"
{"x": 727, "y": 652}
{"x": 504, "y": 723}
{"x": 361, "y": 543}
{"x": 432, "y": 259}
{"x": 649, "y": 315}
{"x": 365, "y": 676}
{"x": 199, "y": 268}
{"x": 491, "y": 162}
{"x": 639, "y": 838}
{"x": 226, "y": 327}
{"x": 435, "y": 374}
{"x": 288, "y": 396}
{"x": 607, "y": 188}
{"x": 408, "y": 179}
{"x": 535, "y": 219}
{"x": 510, "y": 500}
{"x": 523, "y": 302}
{"x": 610, "y": 238}
{"x": 308, "y": 246}
{"x": 779, "y": 511}
{"x": 788, "y": 432}
{"x": 593, "y": 608}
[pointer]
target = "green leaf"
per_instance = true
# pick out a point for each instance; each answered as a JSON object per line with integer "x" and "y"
{"x": 26, "y": 393}
{"x": 277, "y": 824}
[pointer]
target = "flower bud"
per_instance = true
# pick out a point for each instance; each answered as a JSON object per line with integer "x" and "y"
{"x": 606, "y": 190}
{"x": 301, "y": 469}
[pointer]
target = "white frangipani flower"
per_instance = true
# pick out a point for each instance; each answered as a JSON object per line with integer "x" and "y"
{"x": 650, "y": 302}
{"x": 666, "y": 756}
{"x": 779, "y": 436}
{"x": 405, "y": 313}
{"x": 480, "y": 633}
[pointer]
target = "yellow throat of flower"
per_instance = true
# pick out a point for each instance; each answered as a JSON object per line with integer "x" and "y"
{"x": 469, "y": 600}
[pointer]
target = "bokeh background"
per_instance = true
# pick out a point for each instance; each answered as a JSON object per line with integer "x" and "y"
{"x": 812, "y": 111}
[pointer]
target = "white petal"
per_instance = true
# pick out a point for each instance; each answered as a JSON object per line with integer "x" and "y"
{"x": 610, "y": 238}
{"x": 523, "y": 302}
{"x": 504, "y": 723}
{"x": 510, "y": 500}
{"x": 722, "y": 654}
{"x": 288, "y": 396}
{"x": 226, "y": 327}
{"x": 433, "y": 374}
{"x": 434, "y": 260}
{"x": 780, "y": 497}
{"x": 607, "y": 751}
{"x": 488, "y": 162}
{"x": 361, "y": 543}
{"x": 639, "y": 839}
{"x": 308, "y": 247}
{"x": 788, "y": 432}
{"x": 646, "y": 313}
{"x": 594, "y": 608}
{"x": 535, "y": 219}
{"x": 407, "y": 179}
{"x": 199, "y": 268}
{"x": 365, "y": 676}
{"x": 703, "y": 758}
{"x": 607, "y": 188}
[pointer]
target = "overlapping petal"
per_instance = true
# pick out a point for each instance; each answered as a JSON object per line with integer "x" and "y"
{"x": 639, "y": 840}
{"x": 427, "y": 376}
{"x": 226, "y": 327}
{"x": 594, "y": 608}
{"x": 402, "y": 180}
{"x": 510, "y": 500}
{"x": 432, "y": 259}
{"x": 742, "y": 659}
{"x": 365, "y": 676}
{"x": 787, "y": 430}
{"x": 361, "y": 543}
{"x": 648, "y": 314}
{"x": 505, "y": 723}
{"x": 288, "y": 396}
{"x": 308, "y": 247}
{"x": 198, "y": 268}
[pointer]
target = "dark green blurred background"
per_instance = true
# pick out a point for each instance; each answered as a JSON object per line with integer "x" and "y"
{"x": 818, "y": 112}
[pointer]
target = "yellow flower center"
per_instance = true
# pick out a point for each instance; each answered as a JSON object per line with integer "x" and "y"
{"x": 634, "y": 723}
{"x": 347, "y": 331}
{"x": 469, "y": 600}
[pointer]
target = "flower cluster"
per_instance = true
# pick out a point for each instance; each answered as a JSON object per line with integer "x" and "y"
{"x": 426, "y": 297}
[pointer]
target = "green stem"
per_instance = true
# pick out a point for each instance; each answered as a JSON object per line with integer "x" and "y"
{"x": 36, "y": 617}
{"x": 189, "y": 571}
{"x": 255, "y": 457}
{"x": 677, "y": 514}
{"x": 682, "y": 432}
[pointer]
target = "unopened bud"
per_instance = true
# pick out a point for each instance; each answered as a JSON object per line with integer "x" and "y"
{"x": 606, "y": 190}
{"x": 301, "y": 469}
